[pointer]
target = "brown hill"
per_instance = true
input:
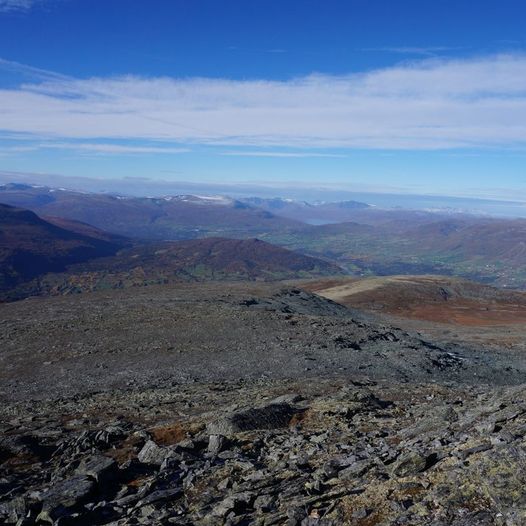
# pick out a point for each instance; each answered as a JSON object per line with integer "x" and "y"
{"x": 180, "y": 261}
{"x": 252, "y": 258}
{"x": 30, "y": 246}
{"x": 431, "y": 298}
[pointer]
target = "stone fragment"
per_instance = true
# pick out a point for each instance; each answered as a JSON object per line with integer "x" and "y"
{"x": 356, "y": 469}
{"x": 409, "y": 464}
{"x": 289, "y": 398}
{"x": 236, "y": 503}
{"x": 14, "y": 509}
{"x": 465, "y": 453}
{"x": 160, "y": 496}
{"x": 265, "y": 503}
{"x": 153, "y": 454}
{"x": 98, "y": 467}
{"x": 216, "y": 444}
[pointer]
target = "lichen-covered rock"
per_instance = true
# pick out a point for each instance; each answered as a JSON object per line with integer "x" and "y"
{"x": 408, "y": 464}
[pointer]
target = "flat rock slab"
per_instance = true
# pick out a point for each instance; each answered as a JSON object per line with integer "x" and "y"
{"x": 153, "y": 454}
{"x": 65, "y": 496}
{"x": 272, "y": 416}
{"x": 98, "y": 467}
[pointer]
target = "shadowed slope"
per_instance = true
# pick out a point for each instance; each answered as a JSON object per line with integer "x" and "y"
{"x": 30, "y": 246}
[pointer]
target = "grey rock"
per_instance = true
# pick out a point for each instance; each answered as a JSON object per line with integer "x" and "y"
{"x": 356, "y": 469}
{"x": 272, "y": 416}
{"x": 465, "y": 453}
{"x": 153, "y": 454}
{"x": 360, "y": 513}
{"x": 98, "y": 467}
{"x": 408, "y": 464}
{"x": 216, "y": 444}
{"x": 265, "y": 503}
{"x": 160, "y": 496}
{"x": 289, "y": 398}
{"x": 64, "y": 497}
{"x": 14, "y": 509}
{"x": 236, "y": 503}
{"x": 295, "y": 514}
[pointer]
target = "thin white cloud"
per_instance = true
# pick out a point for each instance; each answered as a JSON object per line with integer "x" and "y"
{"x": 16, "y": 5}
{"x": 94, "y": 148}
{"x": 35, "y": 73}
{"x": 242, "y": 153}
{"x": 425, "y": 51}
{"x": 114, "y": 148}
{"x": 430, "y": 104}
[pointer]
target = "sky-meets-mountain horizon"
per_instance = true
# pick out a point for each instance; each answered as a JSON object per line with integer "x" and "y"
{"x": 423, "y": 97}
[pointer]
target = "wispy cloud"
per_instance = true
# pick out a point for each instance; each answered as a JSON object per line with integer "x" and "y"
{"x": 428, "y": 104}
{"x": 424, "y": 51}
{"x": 263, "y": 153}
{"x": 94, "y": 148}
{"x": 30, "y": 71}
{"x": 114, "y": 148}
{"x": 17, "y": 5}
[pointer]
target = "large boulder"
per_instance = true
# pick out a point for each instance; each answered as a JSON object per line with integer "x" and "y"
{"x": 271, "y": 416}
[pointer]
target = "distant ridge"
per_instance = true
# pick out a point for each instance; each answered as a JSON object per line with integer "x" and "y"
{"x": 311, "y": 213}
{"x": 30, "y": 246}
{"x": 160, "y": 218}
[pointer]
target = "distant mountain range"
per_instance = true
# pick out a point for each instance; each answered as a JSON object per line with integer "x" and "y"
{"x": 170, "y": 217}
{"x": 311, "y": 213}
{"x": 362, "y": 239}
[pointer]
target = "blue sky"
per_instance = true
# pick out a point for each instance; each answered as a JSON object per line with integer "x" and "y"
{"x": 382, "y": 95}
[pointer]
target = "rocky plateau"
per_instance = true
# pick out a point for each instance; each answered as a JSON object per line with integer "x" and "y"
{"x": 240, "y": 404}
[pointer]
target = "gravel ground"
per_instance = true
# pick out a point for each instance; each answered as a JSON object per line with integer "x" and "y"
{"x": 207, "y": 332}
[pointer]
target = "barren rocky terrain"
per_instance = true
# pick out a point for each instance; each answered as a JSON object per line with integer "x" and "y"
{"x": 237, "y": 403}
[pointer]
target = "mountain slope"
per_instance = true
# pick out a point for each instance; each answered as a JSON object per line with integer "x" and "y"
{"x": 494, "y": 240}
{"x": 30, "y": 246}
{"x": 431, "y": 298}
{"x": 209, "y": 259}
{"x": 249, "y": 257}
{"x": 85, "y": 229}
